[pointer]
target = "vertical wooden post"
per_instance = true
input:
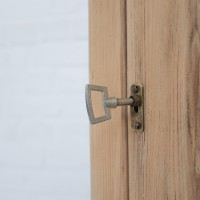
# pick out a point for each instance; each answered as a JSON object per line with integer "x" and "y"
{"x": 163, "y": 55}
{"x": 107, "y": 49}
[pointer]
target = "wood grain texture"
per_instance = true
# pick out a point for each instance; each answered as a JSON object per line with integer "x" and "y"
{"x": 107, "y": 49}
{"x": 163, "y": 55}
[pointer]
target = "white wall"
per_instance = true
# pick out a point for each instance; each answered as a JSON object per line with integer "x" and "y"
{"x": 44, "y": 140}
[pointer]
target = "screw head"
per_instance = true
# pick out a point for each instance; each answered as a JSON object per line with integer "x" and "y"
{"x": 137, "y": 125}
{"x": 135, "y": 88}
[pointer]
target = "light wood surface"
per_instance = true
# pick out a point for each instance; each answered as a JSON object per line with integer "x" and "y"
{"x": 163, "y": 55}
{"x": 107, "y": 49}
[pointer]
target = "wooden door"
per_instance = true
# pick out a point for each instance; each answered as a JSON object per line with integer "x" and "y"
{"x": 154, "y": 43}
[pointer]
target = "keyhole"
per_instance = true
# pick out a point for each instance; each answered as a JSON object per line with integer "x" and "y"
{"x": 136, "y": 109}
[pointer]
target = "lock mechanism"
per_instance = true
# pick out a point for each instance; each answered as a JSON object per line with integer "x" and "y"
{"x": 135, "y": 101}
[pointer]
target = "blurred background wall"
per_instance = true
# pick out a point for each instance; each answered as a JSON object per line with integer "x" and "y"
{"x": 44, "y": 139}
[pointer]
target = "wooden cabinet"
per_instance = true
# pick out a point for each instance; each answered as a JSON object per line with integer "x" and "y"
{"x": 155, "y": 43}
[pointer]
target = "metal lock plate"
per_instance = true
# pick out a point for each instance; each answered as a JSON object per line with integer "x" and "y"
{"x": 137, "y": 112}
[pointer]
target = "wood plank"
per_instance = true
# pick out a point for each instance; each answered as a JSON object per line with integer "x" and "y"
{"x": 107, "y": 49}
{"x": 163, "y": 55}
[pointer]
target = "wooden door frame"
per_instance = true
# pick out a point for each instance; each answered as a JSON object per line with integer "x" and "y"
{"x": 158, "y": 46}
{"x": 163, "y": 53}
{"x": 109, "y": 140}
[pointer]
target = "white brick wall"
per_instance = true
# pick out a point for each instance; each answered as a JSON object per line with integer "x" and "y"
{"x": 44, "y": 140}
